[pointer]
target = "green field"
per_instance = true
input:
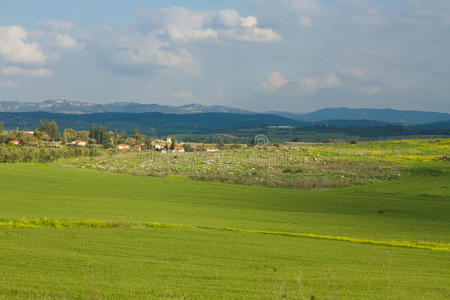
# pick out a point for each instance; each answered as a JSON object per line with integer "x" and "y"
{"x": 306, "y": 166}
{"x": 123, "y": 259}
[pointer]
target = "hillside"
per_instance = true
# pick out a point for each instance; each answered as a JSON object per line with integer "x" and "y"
{"x": 149, "y": 123}
{"x": 403, "y": 117}
{"x": 390, "y": 116}
{"x": 78, "y": 107}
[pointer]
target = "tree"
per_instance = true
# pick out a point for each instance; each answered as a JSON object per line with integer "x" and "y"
{"x": 188, "y": 148}
{"x": 172, "y": 146}
{"x": 136, "y": 134}
{"x": 70, "y": 134}
{"x": 220, "y": 144}
{"x": 41, "y": 126}
{"x": 53, "y": 131}
{"x": 92, "y": 132}
{"x": 50, "y": 128}
{"x": 1, "y": 127}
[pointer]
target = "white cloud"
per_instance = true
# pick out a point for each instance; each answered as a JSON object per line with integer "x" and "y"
{"x": 249, "y": 21}
{"x": 233, "y": 26}
{"x": 228, "y": 18}
{"x": 14, "y": 47}
{"x": 312, "y": 84}
{"x": 252, "y": 34}
{"x": 163, "y": 36}
{"x": 182, "y": 95}
{"x": 179, "y": 23}
{"x": 67, "y": 42}
{"x": 134, "y": 49}
{"x": 183, "y": 25}
{"x": 274, "y": 82}
{"x": 17, "y": 71}
{"x": 304, "y": 21}
{"x": 56, "y": 25}
{"x": 8, "y": 83}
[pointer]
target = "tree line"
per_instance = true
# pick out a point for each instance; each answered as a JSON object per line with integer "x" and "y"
{"x": 43, "y": 154}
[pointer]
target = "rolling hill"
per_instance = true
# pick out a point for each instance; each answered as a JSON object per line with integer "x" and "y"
{"x": 153, "y": 123}
{"x": 403, "y": 117}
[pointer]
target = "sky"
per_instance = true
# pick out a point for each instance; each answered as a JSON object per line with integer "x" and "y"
{"x": 260, "y": 55}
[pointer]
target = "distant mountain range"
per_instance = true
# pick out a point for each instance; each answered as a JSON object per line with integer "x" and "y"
{"x": 326, "y": 116}
{"x": 393, "y": 116}
{"x": 152, "y": 123}
{"x": 78, "y": 107}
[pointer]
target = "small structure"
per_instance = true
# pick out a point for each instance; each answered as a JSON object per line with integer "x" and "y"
{"x": 159, "y": 147}
{"x": 178, "y": 149}
{"x": 123, "y": 147}
{"x": 212, "y": 150}
{"x": 14, "y": 142}
{"x": 136, "y": 148}
{"x": 79, "y": 143}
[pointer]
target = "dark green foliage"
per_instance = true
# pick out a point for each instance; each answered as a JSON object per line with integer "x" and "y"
{"x": 101, "y": 136}
{"x": 50, "y": 128}
{"x": 1, "y": 127}
{"x": 10, "y": 154}
{"x": 188, "y": 148}
{"x": 220, "y": 144}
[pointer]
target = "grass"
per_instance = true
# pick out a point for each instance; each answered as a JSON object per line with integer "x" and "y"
{"x": 122, "y": 262}
{"x": 297, "y": 166}
{"x": 73, "y": 233}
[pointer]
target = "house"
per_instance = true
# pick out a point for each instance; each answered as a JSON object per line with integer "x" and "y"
{"x": 212, "y": 150}
{"x": 123, "y": 147}
{"x": 14, "y": 142}
{"x": 160, "y": 146}
{"x": 79, "y": 142}
{"x": 137, "y": 148}
{"x": 178, "y": 149}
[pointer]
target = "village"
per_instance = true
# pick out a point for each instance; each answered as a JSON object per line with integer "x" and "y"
{"x": 47, "y": 134}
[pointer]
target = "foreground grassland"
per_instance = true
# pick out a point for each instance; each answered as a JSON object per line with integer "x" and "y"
{"x": 297, "y": 166}
{"x": 80, "y": 233}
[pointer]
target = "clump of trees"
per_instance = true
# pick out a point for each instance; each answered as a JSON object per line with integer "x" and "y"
{"x": 49, "y": 128}
{"x": 43, "y": 154}
{"x": 101, "y": 136}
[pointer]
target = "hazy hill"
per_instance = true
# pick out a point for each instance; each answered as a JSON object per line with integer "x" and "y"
{"x": 332, "y": 115}
{"x": 152, "y": 123}
{"x": 78, "y": 107}
{"x": 404, "y": 117}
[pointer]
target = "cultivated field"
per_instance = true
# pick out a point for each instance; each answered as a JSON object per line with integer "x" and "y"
{"x": 78, "y": 233}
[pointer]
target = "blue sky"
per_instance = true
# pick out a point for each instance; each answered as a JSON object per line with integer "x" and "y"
{"x": 294, "y": 55}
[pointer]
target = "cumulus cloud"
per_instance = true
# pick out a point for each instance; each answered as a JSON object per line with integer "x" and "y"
{"x": 233, "y": 26}
{"x": 64, "y": 41}
{"x": 274, "y": 82}
{"x": 17, "y": 71}
{"x": 181, "y": 24}
{"x": 312, "y": 84}
{"x": 8, "y": 83}
{"x": 163, "y": 38}
{"x": 138, "y": 50}
{"x": 182, "y": 95}
{"x": 15, "y": 48}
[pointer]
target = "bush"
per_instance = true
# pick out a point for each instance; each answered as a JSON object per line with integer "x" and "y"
{"x": 16, "y": 154}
